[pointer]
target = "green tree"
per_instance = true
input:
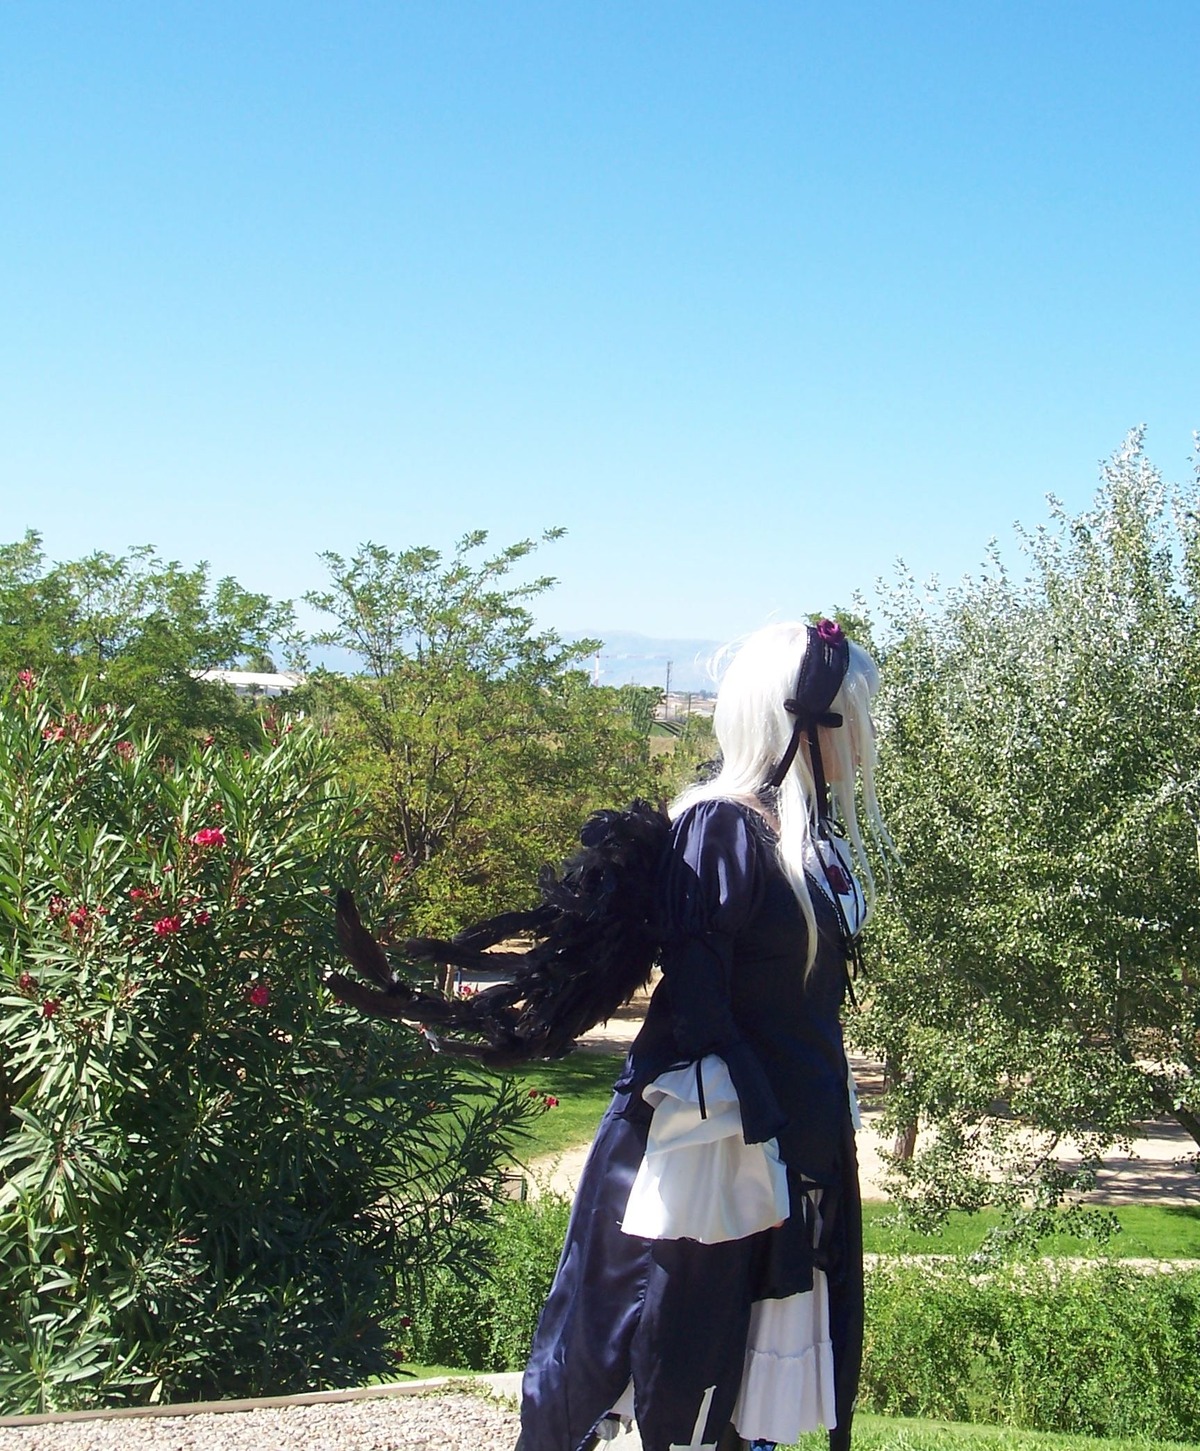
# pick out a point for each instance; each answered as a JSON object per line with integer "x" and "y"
{"x": 142, "y": 628}
{"x": 1035, "y": 964}
{"x": 477, "y": 739}
{"x": 214, "y": 1179}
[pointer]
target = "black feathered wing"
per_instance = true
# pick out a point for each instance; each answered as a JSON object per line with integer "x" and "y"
{"x": 594, "y": 944}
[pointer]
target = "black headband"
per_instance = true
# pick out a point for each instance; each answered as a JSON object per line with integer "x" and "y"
{"x": 826, "y": 660}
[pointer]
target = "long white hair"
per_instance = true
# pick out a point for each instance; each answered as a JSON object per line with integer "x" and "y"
{"x": 753, "y": 729}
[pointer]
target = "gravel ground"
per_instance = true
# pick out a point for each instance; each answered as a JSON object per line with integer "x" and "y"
{"x": 452, "y": 1422}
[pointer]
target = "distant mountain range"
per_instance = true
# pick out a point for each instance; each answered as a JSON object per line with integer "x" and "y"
{"x": 630, "y": 659}
{"x": 625, "y": 659}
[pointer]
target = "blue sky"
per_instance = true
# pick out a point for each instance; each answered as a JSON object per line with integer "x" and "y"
{"x": 753, "y": 298}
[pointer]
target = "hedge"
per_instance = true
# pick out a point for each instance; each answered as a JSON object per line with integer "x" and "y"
{"x": 1097, "y": 1348}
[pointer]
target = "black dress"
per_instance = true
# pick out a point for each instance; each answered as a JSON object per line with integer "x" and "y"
{"x": 673, "y": 1314}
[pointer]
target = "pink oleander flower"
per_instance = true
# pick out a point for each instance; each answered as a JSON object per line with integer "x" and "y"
{"x": 202, "y": 918}
{"x": 550, "y": 1101}
{"x": 26, "y": 679}
{"x": 124, "y": 749}
{"x": 209, "y": 836}
{"x": 50, "y": 1007}
{"x": 167, "y": 926}
{"x": 27, "y": 982}
{"x": 397, "y": 858}
{"x": 80, "y": 918}
{"x": 260, "y": 996}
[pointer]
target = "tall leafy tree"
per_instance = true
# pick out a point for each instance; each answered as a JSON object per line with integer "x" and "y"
{"x": 477, "y": 737}
{"x": 1035, "y": 965}
{"x": 143, "y": 628}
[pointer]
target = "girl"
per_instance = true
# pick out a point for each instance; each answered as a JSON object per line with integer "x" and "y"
{"x": 710, "y": 1286}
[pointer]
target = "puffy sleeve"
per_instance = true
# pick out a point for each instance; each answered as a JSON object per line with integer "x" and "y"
{"x": 712, "y": 883}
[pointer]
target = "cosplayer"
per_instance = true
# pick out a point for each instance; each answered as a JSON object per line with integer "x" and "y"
{"x": 710, "y": 1287}
{"x": 711, "y": 1282}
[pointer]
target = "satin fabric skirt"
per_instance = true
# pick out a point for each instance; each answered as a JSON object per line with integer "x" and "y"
{"x": 674, "y": 1316}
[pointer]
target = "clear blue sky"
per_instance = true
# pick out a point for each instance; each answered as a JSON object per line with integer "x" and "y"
{"x": 752, "y": 297}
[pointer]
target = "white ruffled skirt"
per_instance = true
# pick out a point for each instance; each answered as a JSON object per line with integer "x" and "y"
{"x": 699, "y": 1180}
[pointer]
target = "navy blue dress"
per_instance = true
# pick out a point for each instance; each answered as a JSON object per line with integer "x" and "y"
{"x": 673, "y": 1315}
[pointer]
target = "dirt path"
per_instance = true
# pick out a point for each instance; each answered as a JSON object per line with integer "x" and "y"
{"x": 1160, "y": 1168}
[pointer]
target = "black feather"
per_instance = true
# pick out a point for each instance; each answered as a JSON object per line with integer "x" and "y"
{"x": 595, "y": 941}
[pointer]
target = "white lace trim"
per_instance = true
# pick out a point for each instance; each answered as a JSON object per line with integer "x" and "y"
{"x": 788, "y": 1381}
{"x": 699, "y": 1180}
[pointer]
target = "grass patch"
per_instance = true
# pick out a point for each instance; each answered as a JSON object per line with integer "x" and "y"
{"x": 582, "y": 1083}
{"x": 1148, "y": 1231}
{"x": 893, "y": 1433}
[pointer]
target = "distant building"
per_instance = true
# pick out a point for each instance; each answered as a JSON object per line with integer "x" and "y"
{"x": 682, "y": 703}
{"x": 256, "y": 684}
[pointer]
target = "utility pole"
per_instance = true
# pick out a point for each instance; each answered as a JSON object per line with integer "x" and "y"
{"x": 667, "y": 693}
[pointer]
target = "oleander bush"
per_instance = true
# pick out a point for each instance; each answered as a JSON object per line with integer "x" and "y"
{"x": 214, "y": 1180}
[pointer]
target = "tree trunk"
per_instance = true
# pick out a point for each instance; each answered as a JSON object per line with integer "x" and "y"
{"x": 1189, "y": 1120}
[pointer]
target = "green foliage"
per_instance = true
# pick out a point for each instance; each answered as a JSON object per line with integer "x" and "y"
{"x": 479, "y": 745}
{"x": 1100, "y": 1350}
{"x": 1034, "y": 966}
{"x": 639, "y": 703}
{"x": 1095, "y": 1349}
{"x": 481, "y": 1312}
{"x": 144, "y": 627}
{"x": 692, "y": 754}
{"x": 213, "y": 1179}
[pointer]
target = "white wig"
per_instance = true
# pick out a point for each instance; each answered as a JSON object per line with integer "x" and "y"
{"x": 753, "y": 728}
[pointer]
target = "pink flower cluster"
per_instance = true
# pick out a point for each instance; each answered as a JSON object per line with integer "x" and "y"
{"x": 548, "y": 1099}
{"x": 71, "y": 728}
{"x": 28, "y": 985}
{"x": 208, "y": 836}
{"x": 79, "y": 920}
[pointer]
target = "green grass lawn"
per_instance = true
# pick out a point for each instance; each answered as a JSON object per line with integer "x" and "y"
{"x": 886, "y": 1433}
{"x": 582, "y": 1083}
{"x": 1148, "y": 1231}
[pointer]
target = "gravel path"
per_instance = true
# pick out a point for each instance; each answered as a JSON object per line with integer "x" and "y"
{"x": 441, "y": 1422}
